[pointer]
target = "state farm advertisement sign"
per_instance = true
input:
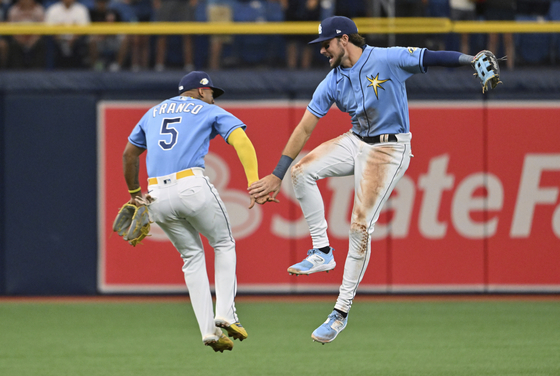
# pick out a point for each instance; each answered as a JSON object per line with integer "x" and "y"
{"x": 478, "y": 209}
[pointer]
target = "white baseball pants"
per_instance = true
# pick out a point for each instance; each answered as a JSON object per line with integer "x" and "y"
{"x": 184, "y": 209}
{"x": 377, "y": 169}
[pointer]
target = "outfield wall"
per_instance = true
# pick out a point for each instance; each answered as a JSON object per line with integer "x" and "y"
{"x": 62, "y": 136}
{"x": 478, "y": 210}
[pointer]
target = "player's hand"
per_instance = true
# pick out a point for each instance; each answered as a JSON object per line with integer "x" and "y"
{"x": 266, "y": 185}
{"x": 262, "y": 200}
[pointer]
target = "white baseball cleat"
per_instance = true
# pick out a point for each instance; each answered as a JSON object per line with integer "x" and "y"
{"x": 316, "y": 261}
{"x": 327, "y": 332}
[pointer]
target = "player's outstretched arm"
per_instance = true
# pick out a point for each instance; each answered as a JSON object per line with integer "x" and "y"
{"x": 485, "y": 64}
{"x": 247, "y": 155}
{"x": 446, "y": 59}
{"x": 272, "y": 183}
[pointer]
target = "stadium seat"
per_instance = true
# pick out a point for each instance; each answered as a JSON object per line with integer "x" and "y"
{"x": 124, "y": 10}
{"x": 276, "y": 43}
{"x": 200, "y": 11}
{"x": 90, "y": 4}
{"x": 554, "y": 11}
{"x": 48, "y": 3}
{"x": 249, "y": 11}
{"x": 274, "y": 11}
{"x": 251, "y": 49}
{"x": 532, "y": 48}
{"x": 554, "y": 15}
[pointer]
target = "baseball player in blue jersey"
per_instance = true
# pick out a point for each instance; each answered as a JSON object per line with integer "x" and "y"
{"x": 369, "y": 84}
{"x": 176, "y": 134}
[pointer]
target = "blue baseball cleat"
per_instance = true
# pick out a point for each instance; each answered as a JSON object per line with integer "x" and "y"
{"x": 316, "y": 261}
{"x": 329, "y": 330}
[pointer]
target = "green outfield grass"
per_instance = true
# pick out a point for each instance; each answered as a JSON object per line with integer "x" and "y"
{"x": 438, "y": 337}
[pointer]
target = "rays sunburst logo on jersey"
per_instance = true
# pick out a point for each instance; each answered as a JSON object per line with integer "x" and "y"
{"x": 411, "y": 50}
{"x": 376, "y": 83}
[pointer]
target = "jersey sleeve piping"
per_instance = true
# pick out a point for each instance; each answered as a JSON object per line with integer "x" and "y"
{"x": 315, "y": 112}
{"x": 137, "y": 144}
{"x": 420, "y": 60}
{"x": 241, "y": 125}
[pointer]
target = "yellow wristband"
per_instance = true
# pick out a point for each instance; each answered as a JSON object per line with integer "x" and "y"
{"x": 135, "y": 190}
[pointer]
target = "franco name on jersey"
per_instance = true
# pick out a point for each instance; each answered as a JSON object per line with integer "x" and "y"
{"x": 175, "y": 108}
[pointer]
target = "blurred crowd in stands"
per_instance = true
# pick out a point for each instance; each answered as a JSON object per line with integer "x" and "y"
{"x": 189, "y": 52}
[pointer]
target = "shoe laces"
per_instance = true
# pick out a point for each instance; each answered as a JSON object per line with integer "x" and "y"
{"x": 337, "y": 316}
{"x": 312, "y": 251}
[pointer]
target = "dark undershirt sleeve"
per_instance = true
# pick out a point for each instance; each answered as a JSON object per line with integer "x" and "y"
{"x": 445, "y": 59}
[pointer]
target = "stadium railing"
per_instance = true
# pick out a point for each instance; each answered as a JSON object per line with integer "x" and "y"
{"x": 365, "y": 26}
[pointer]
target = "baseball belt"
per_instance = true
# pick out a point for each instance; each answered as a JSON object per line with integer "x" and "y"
{"x": 377, "y": 139}
{"x": 178, "y": 175}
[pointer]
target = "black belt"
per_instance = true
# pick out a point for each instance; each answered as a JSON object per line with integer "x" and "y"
{"x": 377, "y": 139}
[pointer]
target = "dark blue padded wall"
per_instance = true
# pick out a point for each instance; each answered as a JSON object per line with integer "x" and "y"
{"x": 48, "y": 175}
{"x": 2, "y": 236}
{"x": 49, "y": 194}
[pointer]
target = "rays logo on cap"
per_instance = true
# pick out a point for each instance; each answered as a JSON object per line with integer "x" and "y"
{"x": 204, "y": 81}
{"x": 320, "y": 29}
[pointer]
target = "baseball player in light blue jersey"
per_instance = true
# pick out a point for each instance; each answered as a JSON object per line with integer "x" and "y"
{"x": 369, "y": 84}
{"x": 181, "y": 200}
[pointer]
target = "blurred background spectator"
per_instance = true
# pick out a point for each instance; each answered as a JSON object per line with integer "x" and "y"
{"x": 351, "y": 8}
{"x": 501, "y": 10}
{"x": 174, "y": 11}
{"x": 410, "y": 8}
{"x": 105, "y": 50}
{"x": 26, "y": 51}
{"x": 535, "y": 48}
{"x": 142, "y": 52}
{"x": 3, "y": 49}
{"x": 71, "y": 50}
{"x": 219, "y": 11}
{"x": 538, "y": 8}
{"x": 134, "y": 48}
{"x": 463, "y": 10}
{"x": 4, "y": 5}
{"x": 439, "y": 9}
{"x": 264, "y": 51}
{"x": 297, "y": 49}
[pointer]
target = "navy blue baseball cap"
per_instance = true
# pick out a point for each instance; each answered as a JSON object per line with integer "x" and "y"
{"x": 335, "y": 26}
{"x": 197, "y": 79}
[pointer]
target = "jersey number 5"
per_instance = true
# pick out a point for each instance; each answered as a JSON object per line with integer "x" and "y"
{"x": 169, "y": 130}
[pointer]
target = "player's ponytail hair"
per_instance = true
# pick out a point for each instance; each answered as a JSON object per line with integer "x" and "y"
{"x": 357, "y": 40}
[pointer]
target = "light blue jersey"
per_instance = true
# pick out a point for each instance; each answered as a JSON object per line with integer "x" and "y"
{"x": 177, "y": 133}
{"x": 373, "y": 91}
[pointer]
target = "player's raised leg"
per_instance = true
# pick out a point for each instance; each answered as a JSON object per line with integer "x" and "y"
{"x": 377, "y": 173}
{"x": 378, "y": 169}
{"x": 332, "y": 158}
